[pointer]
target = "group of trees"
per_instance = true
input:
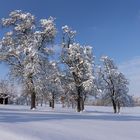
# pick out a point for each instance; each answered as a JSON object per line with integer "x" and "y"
{"x": 7, "y": 92}
{"x": 27, "y": 49}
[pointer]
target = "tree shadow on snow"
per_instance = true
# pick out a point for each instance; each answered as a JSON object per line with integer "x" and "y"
{"x": 33, "y": 116}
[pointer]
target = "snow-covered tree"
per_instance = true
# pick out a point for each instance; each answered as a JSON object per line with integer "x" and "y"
{"x": 79, "y": 60}
{"x": 8, "y": 90}
{"x": 114, "y": 85}
{"x": 68, "y": 98}
{"x": 25, "y": 46}
{"x": 54, "y": 86}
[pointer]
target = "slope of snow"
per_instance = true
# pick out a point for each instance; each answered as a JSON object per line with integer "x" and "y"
{"x": 96, "y": 123}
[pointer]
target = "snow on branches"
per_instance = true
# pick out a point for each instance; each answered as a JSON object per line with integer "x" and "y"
{"x": 24, "y": 47}
{"x": 79, "y": 59}
{"x": 114, "y": 84}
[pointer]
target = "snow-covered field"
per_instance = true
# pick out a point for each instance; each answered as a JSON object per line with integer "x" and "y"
{"x": 96, "y": 123}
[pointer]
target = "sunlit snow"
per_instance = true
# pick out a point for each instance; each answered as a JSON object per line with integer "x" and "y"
{"x": 96, "y": 123}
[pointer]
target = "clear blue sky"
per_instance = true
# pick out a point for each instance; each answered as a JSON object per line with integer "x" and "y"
{"x": 112, "y": 27}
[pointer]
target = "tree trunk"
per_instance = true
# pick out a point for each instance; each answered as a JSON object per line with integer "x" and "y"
{"x": 53, "y": 101}
{"x": 33, "y": 98}
{"x": 78, "y": 100}
{"x": 114, "y": 106}
{"x": 32, "y": 91}
{"x": 78, "y": 88}
{"x": 78, "y": 105}
{"x": 119, "y": 106}
{"x": 82, "y": 104}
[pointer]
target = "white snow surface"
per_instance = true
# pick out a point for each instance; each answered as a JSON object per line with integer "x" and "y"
{"x": 96, "y": 123}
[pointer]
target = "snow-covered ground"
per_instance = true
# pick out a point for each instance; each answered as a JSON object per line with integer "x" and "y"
{"x": 96, "y": 123}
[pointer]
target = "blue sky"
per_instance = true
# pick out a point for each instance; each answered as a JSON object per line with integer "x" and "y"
{"x": 112, "y": 27}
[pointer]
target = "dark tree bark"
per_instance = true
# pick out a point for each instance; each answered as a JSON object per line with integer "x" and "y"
{"x": 78, "y": 105}
{"x": 119, "y": 107}
{"x": 53, "y": 101}
{"x": 82, "y": 104}
{"x": 32, "y": 91}
{"x": 79, "y": 90}
{"x": 114, "y": 106}
{"x": 78, "y": 99}
{"x": 50, "y": 103}
{"x": 33, "y": 99}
